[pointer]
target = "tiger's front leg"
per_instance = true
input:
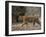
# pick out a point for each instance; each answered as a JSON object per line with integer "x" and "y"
{"x": 24, "y": 21}
{"x": 33, "y": 22}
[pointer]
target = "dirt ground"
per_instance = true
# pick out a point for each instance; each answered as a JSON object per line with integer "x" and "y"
{"x": 29, "y": 26}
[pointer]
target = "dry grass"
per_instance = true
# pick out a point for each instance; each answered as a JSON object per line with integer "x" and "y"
{"x": 29, "y": 26}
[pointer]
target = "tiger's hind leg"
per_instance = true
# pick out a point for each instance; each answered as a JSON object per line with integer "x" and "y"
{"x": 38, "y": 22}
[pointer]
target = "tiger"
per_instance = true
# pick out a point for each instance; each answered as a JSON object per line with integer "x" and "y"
{"x": 34, "y": 19}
